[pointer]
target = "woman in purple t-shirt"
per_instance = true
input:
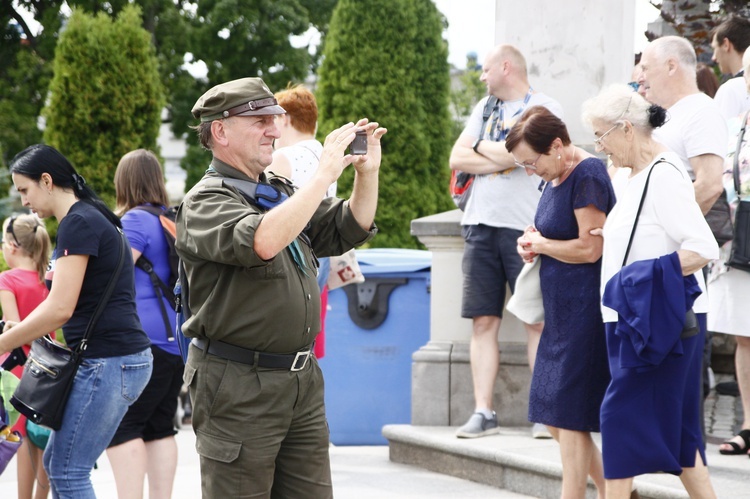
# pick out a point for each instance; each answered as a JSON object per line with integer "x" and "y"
{"x": 144, "y": 442}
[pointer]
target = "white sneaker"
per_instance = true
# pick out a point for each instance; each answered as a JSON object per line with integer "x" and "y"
{"x": 540, "y": 431}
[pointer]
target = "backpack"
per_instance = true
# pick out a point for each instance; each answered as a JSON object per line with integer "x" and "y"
{"x": 462, "y": 182}
{"x": 163, "y": 290}
{"x": 262, "y": 195}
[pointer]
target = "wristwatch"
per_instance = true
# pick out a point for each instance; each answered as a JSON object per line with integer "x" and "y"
{"x": 475, "y": 145}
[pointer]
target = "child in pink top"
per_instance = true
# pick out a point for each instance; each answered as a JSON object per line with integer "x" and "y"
{"x": 26, "y": 249}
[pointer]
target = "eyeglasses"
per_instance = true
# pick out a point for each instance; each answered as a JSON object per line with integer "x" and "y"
{"x": 530, "y": 166}
{"x": 634, "y": 85}
{"x": 598, "y": 140}
{"x": 10, "y": 230}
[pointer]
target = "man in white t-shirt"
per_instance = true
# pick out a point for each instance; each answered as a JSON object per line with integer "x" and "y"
{"x": 502, "y": 204}
{"x": 729, "y": 40}
{"x": 695, "y": 130}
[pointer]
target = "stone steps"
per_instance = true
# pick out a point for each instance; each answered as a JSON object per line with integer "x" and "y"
{"x": 514, "y": 461}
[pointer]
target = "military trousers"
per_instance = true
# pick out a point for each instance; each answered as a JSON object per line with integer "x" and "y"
{"x": 260, "y": 433}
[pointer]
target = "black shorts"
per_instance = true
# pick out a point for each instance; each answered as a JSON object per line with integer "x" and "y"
{"x": 490, "y": 262}
{"x": 151, "y": 417}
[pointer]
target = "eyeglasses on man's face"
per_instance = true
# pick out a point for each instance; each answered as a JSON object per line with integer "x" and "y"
{"x": 530, "y": 166}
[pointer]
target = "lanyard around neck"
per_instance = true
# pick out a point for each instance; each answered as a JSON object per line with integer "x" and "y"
{"x": 501, "y": 129}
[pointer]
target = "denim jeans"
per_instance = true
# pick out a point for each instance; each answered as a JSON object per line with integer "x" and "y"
{"x": 103, "y": 390}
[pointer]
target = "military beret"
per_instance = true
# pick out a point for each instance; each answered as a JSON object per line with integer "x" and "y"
{"x": 243, "y": 97}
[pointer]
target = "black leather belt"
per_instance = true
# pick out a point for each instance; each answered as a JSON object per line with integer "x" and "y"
{"x": 293, "y": 362}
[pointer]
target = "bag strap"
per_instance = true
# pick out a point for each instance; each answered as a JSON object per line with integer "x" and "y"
{"x": 161, "y": 289}
{"x": 736, "y": 162}
{"x": 489, "y": 106}
{"x": 638, "y": 213}
{"x": 104, "y": 299}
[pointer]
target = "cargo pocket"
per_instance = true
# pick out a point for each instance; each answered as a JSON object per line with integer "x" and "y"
{"x": 217, "y": 448}
{"x": 188, "y": 374}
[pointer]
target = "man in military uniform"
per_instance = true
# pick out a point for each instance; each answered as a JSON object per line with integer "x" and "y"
{"x": 250, "y": 261}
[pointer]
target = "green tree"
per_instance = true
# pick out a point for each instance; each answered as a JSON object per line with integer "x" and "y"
{"x": 236, "y": 38}
{"x": 465, "y": 97}
{"x": 392, "y": 68}
{"x": 240, "y": 38}
{"x": 695, "y": 19}
{"x": 105, "y": 95}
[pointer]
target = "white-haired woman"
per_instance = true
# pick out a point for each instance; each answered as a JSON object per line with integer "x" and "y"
{"x": 655, "y": 243}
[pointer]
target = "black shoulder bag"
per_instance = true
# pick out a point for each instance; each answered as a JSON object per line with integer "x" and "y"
{"x": 48, "y": 374}
{"x": 691, "y": 321}
{"x": 739, "y": 257}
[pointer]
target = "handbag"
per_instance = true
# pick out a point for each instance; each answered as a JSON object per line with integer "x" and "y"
{"x": 719, "y": 220}
{"x": 526, "y": 301}
{"x": 460, "y": 188}
{"x": 739, "y": 256}
{"x": 10, "y": 442}
{"x": 48, "y": 374}
{"x": 37, "y": 435}
{"x": 690, "y": 327}
{"x": 344, "y": 270}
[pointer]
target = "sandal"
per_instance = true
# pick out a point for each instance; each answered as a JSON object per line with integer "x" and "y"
{"x": 736, "y": 449}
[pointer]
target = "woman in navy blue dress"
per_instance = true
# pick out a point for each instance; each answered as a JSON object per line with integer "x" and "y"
{"x": 571, "y": 373}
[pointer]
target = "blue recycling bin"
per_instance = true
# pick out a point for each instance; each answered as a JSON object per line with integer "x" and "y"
{"x": 372, "y": 330}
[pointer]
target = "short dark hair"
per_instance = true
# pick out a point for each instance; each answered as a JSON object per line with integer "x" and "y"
{"x": 538, "y": 127}
{"x": 736, "y": 29}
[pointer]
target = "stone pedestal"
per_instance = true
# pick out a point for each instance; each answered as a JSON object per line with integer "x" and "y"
{"x": 442, "y": 392}
{"x": 572, "y": 49}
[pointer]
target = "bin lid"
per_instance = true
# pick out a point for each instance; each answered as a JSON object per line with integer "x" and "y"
{"x": 392, "y": 260}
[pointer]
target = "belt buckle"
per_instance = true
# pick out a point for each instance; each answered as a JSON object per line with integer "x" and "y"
{"x": 305, "y": 356}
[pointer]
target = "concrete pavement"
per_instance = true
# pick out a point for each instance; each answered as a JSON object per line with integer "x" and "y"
{"x": 358, "y": 473}
{"x": 366, "y": 472}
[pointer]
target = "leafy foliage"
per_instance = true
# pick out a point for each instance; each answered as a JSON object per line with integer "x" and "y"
{"x": 240, "y": 38}
{"x": 466, "y": 96}
{"x": 236, "y": 38}
{"x": 105, "y": 95}
{"x": 392, "y": 68}
{"x": 694, "y": 20}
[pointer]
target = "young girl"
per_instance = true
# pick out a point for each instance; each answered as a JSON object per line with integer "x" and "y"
{"x": 26, "y": 247}
{"x": 117, "y": 360}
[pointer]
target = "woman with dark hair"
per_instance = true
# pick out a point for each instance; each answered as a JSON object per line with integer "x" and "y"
{"x": 570, "y": 373}
{"x": 117, "y": 359}
{"x": 656, "y": 240}
{"x": 144, "y": 443}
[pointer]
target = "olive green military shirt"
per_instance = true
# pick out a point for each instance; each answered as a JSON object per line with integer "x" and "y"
{"x": 235, "y": 296}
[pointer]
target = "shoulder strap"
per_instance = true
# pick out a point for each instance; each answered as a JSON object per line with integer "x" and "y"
{"x": 161, "y": 289}
{"x": 105, "y": 297}
{"x": 154, "y": 210}
{"x": 263, "y": 195}
{"x": 736, "y": 162}
{"x": 489, "y": 106}
{"x": 638, "y": 213}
